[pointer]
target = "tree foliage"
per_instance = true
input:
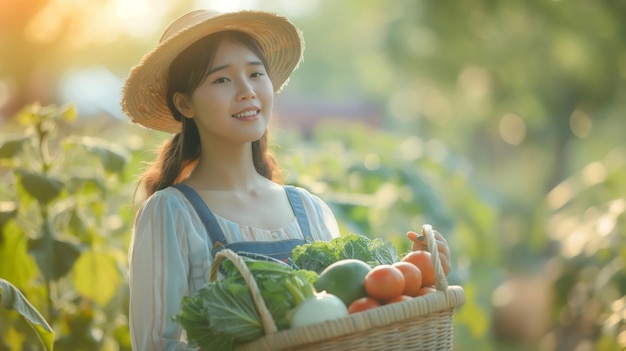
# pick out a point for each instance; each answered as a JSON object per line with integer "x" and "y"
{"x": 57, "y": 239}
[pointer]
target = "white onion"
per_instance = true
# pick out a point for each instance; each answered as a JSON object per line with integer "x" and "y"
{"x": 320, "y": 308}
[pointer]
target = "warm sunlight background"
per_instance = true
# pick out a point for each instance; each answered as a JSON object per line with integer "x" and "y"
{"x": 68, "y": 44}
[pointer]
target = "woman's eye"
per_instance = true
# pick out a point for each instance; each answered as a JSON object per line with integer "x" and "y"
{"x": 221, "y": 80}
{"x": 257, "y": 74}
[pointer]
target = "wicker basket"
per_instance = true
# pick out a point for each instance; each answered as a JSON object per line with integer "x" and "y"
{"x": 423, "y": 323}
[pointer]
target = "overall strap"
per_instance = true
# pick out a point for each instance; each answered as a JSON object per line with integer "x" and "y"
{"x": 206, "y": 216}
{"x": 273, "y": 250}
{"x": 279, "y": 249}
{"x": 298, "y": 209}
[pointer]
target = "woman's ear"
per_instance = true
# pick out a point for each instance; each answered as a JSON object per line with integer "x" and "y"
{"x": 182, "y": 105}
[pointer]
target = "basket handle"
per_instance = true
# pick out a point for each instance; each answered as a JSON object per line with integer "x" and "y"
{"x": 269, "y": 326}
{"x": 441, "y": 283}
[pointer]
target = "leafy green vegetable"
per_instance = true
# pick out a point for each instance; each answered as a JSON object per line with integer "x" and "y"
{"x": 222, "y": 314}
{"x": 317, "y": 255}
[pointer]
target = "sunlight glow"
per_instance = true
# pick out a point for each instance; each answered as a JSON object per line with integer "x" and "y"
{"x": 45, "y": 26}
{"x": 372, "y": 161}
{"x": 619, "y": 305}
{"x": 475, "y": 83}
{"x": 503, "y": 295}
{"x": 593, "y": 173}
{"x": 512, "y": 129}
{"x": 617, "y": 316}
{"x": 114, "y": 222}
{"x": 561, "y": 225}
{"x": 5, "y": 92}
{"x": 78, "y": 24}
{"x": 228, "y": 6}
{"x": 130, "y": 9}
{"x": 140, "y": 18}
{"x": 587, "y": 233}
{"x": 576, "y": 242}
{"x": 607, "y": 222}
{"x": 618, "y": 207}
{"x": 580, "y": 124}
{"x": 386, "y": 195}
{"x": 286, "y": 8}
{"x": 8, "y": 206}
{"x": 412, "y": 148}
{"x": 560, "y": 195}
{"x": 621, "y": 338}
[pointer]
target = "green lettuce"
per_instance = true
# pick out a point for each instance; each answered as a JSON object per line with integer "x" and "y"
{"x": 318, "y": 255}
{"x": 222, "y": 314}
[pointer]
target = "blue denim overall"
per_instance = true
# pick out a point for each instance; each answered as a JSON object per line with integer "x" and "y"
{"x": 279, "y": 249}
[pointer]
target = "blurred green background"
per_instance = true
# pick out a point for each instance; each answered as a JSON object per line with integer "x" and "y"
{"x": 500, "y": 123}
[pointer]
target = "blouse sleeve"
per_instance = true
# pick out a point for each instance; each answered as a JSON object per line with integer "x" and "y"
{"x": 321, "y": 219}
{"x": 159, "y": 273}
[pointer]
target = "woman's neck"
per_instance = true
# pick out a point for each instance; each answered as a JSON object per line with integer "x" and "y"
{"x": 225, "y": 169}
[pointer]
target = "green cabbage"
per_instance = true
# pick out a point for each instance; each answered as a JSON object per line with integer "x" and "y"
{"x": 222, "y": 314}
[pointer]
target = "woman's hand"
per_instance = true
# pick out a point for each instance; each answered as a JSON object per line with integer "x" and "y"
{"x": 419, "y": 243}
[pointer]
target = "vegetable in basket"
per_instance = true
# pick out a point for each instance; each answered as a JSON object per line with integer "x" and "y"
{"x": 318, "y": 255}
{"x": 345, "y": 279}
{"x": 222, "y": 313}
{"x": 318, "y": 308}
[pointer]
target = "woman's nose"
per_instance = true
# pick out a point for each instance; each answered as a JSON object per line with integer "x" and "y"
{"x": 245, "y": 91}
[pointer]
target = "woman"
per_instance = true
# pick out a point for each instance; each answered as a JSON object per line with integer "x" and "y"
{"x": 211, "y": 81}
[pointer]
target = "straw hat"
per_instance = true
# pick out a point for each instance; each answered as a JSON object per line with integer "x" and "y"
{"x": 144, "y": 94}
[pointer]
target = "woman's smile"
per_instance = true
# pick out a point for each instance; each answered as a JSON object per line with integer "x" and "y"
{"x": 248, "y": 114}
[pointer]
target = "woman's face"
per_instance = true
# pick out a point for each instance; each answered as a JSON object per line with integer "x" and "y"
{"x": 234, "y": 102}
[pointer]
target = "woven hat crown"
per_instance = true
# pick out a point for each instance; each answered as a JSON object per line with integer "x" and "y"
{"x": 187, "y": 20}
{"x": 145, "y": 90}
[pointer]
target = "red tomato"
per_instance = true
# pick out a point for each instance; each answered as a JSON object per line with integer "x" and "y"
{"x": 399, "y": 299}
{"x": 412, "y": 277}
{"x": 426, "y": 290}
{"x": 421, "y": 259}
{"x": 384, "y": 282}
{"x": 363, "y": 304}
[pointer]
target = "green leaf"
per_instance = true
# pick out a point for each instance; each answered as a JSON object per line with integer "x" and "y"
{"x": 54, "y": 257}
{"x": 13, "y": 253}
{"x": 352, "y": 245}
{"x": 13, "y": 299}
{"x": 40, "y": 186}
{"x": 96, "y": 276}
{"x": 113, "y": 157}
{"x": 29, "y": 115}
{"x": 10, "y": 148}
{"x": 8, "y": 211}
{"x": 383, "y": 252}
{"x": 77, "y": 225}
{"x": 87, "y": 185}
{"x": 67, "y": 113}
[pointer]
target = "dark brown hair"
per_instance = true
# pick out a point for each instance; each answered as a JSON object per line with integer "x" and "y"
{"x": 178, "y": 156}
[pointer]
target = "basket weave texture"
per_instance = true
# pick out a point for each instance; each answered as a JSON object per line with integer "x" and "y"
{"x": 423, "y": 323}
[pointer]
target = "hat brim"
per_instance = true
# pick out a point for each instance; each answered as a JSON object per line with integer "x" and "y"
{"x": 144, "y": 93}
